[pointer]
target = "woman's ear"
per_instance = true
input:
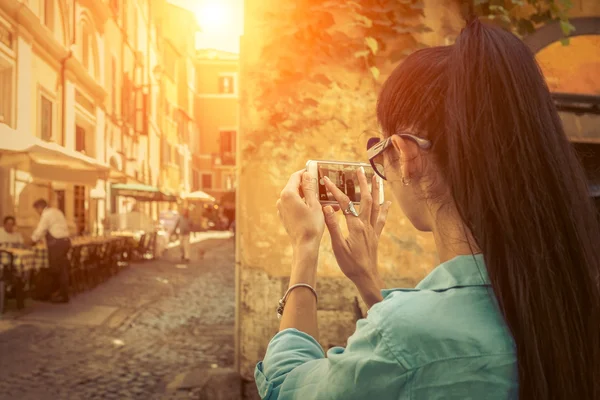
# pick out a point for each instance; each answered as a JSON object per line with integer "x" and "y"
{"x": 409, "y": 155}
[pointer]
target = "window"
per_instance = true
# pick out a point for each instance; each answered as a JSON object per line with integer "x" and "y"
{"x": 79, "y": 139}
{"x": 46, "y": 120}
{"x": 195, "y": 180}
{"x": 206, "y": 181}
{"x": 60, "y": 200}
{"x": 85, "y": 46}
{"x": 170, "y": 60}
{"x": 226, "y": 84}
{"x": 227, "y": 145}
{"x": 113, "y": 91}
{"x": 227, "y": 142}
{"x": 6, "y": 93}
{"x": 48, "y": 13}
{"x": 79, "y": 207}
{"x": 228, "y": 182}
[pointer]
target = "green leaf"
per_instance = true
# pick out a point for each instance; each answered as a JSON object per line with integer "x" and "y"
{"x": 566, "y": 27}
{"x": 372, "y": 44}
{"x": 362, "y": 53}
{"x": 525, "y": 26}
{"x": 567, "y": 4}
{"x": 564, "y": 41}
{"x": 499, "y": 9}
{"x": 375, "y": 72}
{"x": 362, "y": 20}
{"x": 540, "y": 17}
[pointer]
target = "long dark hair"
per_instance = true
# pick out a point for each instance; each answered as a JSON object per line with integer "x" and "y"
{"x": 517, "y": 184}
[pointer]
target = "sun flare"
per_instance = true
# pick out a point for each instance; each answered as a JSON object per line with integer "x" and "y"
{"x": 213, "y": 16}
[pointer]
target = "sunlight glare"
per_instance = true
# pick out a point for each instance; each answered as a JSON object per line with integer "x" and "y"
{"x": 213, "y": 16}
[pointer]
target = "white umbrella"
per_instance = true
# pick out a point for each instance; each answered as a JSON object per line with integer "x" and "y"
{"x": 199, "y": 195}
{"x": 47, "y": 160}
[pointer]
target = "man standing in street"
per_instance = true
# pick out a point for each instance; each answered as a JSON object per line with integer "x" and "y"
{"x": 53, "y": 226}
{"x": 185, "y": 227}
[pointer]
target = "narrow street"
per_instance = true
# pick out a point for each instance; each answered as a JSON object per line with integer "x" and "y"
{"x": 129, "y": 337}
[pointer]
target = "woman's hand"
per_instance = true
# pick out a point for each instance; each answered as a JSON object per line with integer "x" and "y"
{"x": 357, "y": 254}
{"x": 300, "y": 211}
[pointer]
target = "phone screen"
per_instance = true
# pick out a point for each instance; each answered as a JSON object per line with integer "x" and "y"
{"x": 345, "y": 177}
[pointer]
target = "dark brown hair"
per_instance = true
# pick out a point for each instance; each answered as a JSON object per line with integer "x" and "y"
{"x": 40, "y": 203}
{"x": 499, "y": 145}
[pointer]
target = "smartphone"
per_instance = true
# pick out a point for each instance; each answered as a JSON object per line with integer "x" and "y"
{"x": 344, "y": 175}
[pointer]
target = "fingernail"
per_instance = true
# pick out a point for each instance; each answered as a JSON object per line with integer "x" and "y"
{"x": 328, "y": 210}
{"x": 362, "y": 169}
{"x": 326, "y": 178}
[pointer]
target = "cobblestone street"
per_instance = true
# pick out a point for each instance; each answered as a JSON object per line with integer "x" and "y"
{"x": 129, "y": 337}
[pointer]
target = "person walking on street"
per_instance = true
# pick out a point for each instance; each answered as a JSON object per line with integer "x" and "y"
{"x": 53, "y": 227}
{"x": 185, "y": 227}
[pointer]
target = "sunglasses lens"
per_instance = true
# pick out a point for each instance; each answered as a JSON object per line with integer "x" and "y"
{"x": 372, "y": 142}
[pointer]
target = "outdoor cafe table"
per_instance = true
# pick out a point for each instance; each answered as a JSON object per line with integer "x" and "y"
{"x": 41, "y": 250}
{"x": 23, "y": 260}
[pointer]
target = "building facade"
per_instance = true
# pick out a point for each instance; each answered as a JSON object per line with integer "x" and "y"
{"x": 93, "y": 76}
{"x": 217, "y": 113}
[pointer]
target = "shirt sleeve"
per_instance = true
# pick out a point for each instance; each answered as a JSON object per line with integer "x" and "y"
{"x": 295, "y": 367}
{"x": 42, "y": 227}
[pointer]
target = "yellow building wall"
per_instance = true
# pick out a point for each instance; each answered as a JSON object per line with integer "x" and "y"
{"x": 214, "y": 114}
{"x": 208, "y": 74}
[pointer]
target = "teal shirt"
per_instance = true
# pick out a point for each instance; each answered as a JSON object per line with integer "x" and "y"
{"x": 445, "y": 339}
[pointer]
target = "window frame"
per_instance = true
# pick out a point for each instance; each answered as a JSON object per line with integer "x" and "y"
{"x": 212, "y": 180}
{"x": 9, "y": 64}
{"x": 48, "y": 16}
{"x": 234, "y": 82}
{"x": 44, "y": 95}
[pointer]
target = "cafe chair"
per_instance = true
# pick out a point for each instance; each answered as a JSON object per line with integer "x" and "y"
{"x": 105, "y": 263}
{"x": 77, "y": 273}
{"x": 11, "y": 284}
{"x": 92, "y": 265}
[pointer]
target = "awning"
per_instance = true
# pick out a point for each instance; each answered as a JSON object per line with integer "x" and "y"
{"x": 46, "y": 160}
{"x": 199, "y": 196}
{"x": 141, "y": 192}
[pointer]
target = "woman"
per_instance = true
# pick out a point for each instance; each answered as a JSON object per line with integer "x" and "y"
{"x": 475, "y": 153}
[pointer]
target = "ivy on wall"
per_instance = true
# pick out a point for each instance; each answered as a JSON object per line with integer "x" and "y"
{"x": 523, "y": 17}
{"x": 311, "y": 41}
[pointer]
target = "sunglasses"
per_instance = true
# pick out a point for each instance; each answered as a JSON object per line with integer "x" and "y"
{"x": 376, "y": 146}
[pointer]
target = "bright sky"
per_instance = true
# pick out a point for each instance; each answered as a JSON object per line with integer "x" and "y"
{"x": 221, "y": 22}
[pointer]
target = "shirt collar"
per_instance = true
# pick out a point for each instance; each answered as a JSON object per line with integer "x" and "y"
{"x": 461, "y": 271}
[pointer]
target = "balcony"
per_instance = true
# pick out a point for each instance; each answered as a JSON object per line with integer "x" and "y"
{"x": 223, "y": 159}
